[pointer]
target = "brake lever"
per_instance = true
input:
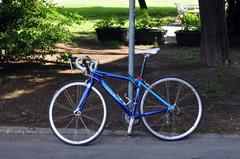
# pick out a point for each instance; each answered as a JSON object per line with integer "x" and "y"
{"x": 86, "y": 64}
{"x": 72, "y": 61}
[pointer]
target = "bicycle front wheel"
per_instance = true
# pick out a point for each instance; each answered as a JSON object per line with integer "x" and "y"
{"x": 178, "y": 123}
{"x": 77, "y": 128}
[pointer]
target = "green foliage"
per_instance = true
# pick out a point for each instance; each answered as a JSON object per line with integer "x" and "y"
{"x": 123, "y": 3}
{"x": 145, "y": 21}
{"x": 167, "y": 20}
{"x": 192, "y": 55}
{"x": 221, "y": 71}
{"x": 213, "y": 89}
{"x": 94, "y": 14}
{"x": 221, "y": 130}
{"x": 179, "y": 57}
{"x": 31, "y": 28}
{"x": 112, "y": 22}
{"x": 71, "y": 17}
{"x": 237, "y": 74}
{"x": 190, "y": 21}
{"x": 64, "y": 57}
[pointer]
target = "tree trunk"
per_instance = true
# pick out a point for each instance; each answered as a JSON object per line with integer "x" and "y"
{"x": 214, "y": 33}
{"x": 142, "y": 4}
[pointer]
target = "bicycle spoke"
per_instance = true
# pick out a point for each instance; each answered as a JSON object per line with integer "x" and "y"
{"x": 63, "y": 107}
{"x": 78, "y": 93}
{"x": 92, "y": 119}
{"x": 93, "y": 108}
{"x": 156, "y": 121}
{"x": 188, "y": 117}
{"x": 77, "y": 128}
{"x": 87, "y": 130}
{"x": 178, "y": 92}
{"x": 167, "y": 91}
{"x": 178, "y": 122}
{"x": 159, "y": 92}
{"x": 75, "y": 132}
{"x": 155, "y": 106}
{"x": 87, "y": 101}
{"x": 161, "y": 129}
{"x": 69, "y": 123}
{"x": 186, "y": 96}
{"x": 152, "y": 102}
{"x": 66, "y": 93}
{"x": 173, "y": 122}
{"x": 60, "y": 118}
{"x": 190, "y": 109}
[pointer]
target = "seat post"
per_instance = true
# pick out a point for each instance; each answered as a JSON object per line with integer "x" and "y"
{"x": 143, "y": 65}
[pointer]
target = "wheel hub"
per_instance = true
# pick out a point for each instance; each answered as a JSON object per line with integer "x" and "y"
{"x": 176, "y": 110}
{"x": 77, "y": 113}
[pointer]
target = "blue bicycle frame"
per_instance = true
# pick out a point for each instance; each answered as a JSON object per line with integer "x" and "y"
{"x": 97, "y": 76}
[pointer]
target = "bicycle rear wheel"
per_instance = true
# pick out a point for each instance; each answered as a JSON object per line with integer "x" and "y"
{"x": 77, "y": 128}
{"x": 176, "y": 124}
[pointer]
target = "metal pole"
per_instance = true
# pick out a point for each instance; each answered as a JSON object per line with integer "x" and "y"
{"x": 131, "y": 48}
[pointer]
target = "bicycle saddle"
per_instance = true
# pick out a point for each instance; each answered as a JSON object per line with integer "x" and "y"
{"x": 148, "y": 52}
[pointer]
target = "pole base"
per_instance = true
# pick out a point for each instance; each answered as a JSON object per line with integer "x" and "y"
{"x": 129, "y": 132}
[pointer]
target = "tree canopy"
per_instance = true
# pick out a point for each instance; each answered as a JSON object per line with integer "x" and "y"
{"x": 30, "y": 26}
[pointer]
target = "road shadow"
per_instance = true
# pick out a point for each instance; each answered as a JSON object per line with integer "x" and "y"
{"x": 27, "y": 88}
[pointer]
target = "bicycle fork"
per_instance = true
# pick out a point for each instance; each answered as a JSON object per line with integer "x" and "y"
{"x": 85, "y": 95}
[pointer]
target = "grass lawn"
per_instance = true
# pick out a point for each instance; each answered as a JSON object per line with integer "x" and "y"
{"x": 122, "y": 3}
{"x": 97, "y": 9}
{"x": 93, "y": 14}
{"x": 103, "y": 12}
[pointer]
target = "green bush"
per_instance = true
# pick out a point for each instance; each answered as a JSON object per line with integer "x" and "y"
{"x": 145, "y": 21}
{"x": 29, "y": 29}
{"x": 190, "y": 21}
{"x": 111, "y": 22}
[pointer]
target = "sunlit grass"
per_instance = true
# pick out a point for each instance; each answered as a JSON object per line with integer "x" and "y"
{"x": 122, "y": 3}
{"x": 92, "y": 15}
{"x": 103, "y": 12}
{"x": 86, "y": 28}
{"x": 96, "y": 10}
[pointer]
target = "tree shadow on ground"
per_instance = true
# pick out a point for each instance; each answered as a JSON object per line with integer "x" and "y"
{"x": 91, "y": 42}
{"x": 27, "y": 89}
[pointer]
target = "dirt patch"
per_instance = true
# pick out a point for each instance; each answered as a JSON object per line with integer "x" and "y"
{"x": 26, "y": 89}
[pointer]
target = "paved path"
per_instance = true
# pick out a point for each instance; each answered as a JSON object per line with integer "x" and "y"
{"x": 41, "y": 144}
{"x": 170, "y": 35}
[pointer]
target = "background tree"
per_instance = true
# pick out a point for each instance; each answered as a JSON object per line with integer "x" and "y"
{"x": 143, "y": 4}
{"x": 29, "y": 29}
{"x": 214, "y": 33}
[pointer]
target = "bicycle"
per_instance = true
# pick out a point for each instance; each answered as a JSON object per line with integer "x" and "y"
{"x": 170, "y": 108}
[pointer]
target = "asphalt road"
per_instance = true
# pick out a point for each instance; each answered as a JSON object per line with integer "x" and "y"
{"x": 119, "y": 146}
